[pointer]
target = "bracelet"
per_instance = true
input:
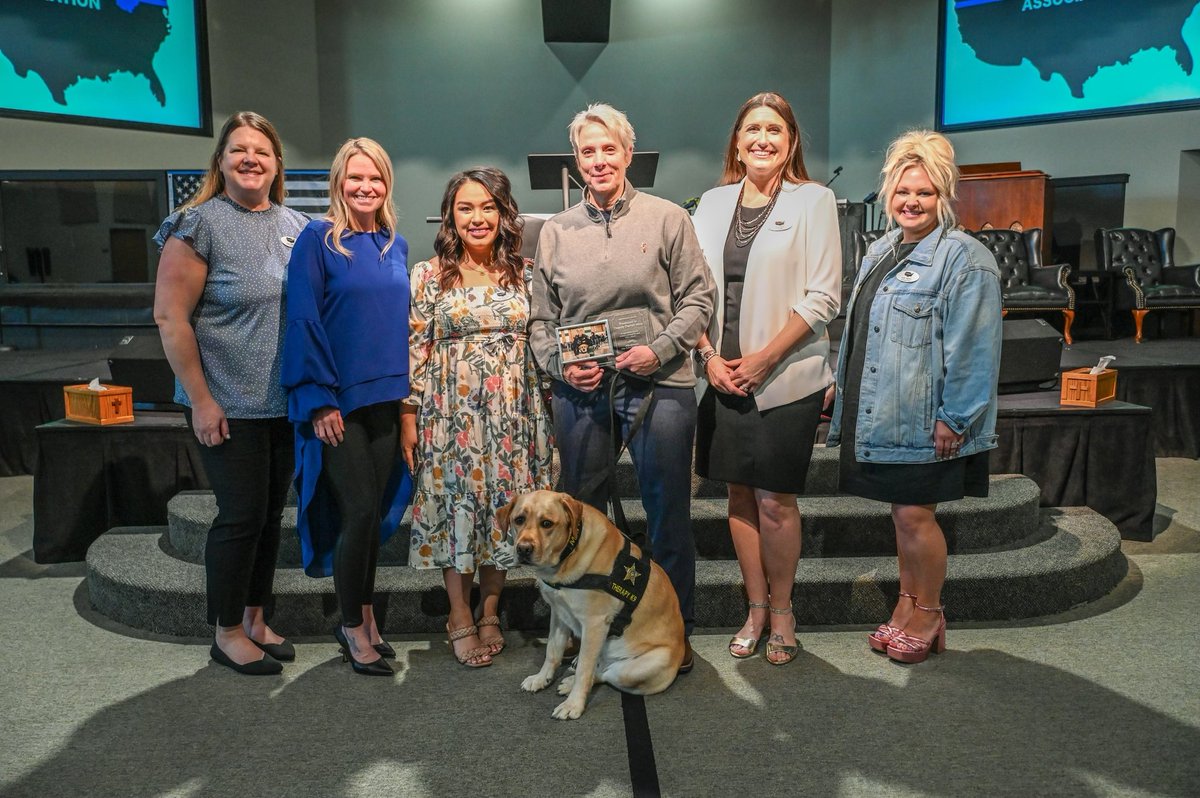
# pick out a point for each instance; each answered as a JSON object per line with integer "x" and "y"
{"x": 707, "y": 354}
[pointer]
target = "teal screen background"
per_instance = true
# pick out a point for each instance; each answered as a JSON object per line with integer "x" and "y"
{"x": 119, "y": 95}
{"x": 975, "y": 93}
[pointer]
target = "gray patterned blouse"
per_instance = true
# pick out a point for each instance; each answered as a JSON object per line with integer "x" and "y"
{"x": 240, "y": 318}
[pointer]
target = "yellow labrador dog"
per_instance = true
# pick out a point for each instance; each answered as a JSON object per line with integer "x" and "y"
{"x": 601, "y": 588}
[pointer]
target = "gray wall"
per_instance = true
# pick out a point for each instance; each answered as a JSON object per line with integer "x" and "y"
{"x": 455, "y": 83}
{"x": 449, "y": 84}
{"x": 883, "y": 80}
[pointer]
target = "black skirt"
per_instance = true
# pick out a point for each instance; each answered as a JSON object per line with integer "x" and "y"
{"x": 769, "y": 449}
{"x": 914, "y": 483}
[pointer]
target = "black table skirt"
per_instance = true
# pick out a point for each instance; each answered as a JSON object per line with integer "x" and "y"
{"x": 1101, "y": 457}
{"x": 90, "y": 478}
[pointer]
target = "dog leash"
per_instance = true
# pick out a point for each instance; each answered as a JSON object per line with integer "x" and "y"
{"x": 615, "y": 451}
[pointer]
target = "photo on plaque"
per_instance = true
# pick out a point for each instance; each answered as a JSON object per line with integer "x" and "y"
{"x": 587, "y": 341}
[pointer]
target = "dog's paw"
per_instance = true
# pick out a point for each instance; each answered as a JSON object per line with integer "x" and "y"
{"x": 564, "y": 687}
{"x": 535, "y": 682}
{"x": 569, "y": 709}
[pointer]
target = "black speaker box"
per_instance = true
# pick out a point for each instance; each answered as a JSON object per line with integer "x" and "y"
{"x": 138, "y": 362}
{"x": 1030, "y": 355}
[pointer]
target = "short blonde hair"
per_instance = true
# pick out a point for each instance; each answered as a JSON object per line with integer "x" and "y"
{"x": 607, "y": 117}
{"x": 935, "y": 153}
{"x": 339, "y": 211}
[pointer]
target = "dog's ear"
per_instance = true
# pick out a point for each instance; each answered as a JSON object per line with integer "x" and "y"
{"x": 573, "y": 508}
{"x": 505, "y": 512}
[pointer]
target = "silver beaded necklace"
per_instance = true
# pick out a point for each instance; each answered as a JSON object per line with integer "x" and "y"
{"x": 744, "y": 230}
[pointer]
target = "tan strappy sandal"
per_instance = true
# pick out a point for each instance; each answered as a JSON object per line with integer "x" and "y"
{"x": 494, "y": 644}
{"x": 473, "y": 658}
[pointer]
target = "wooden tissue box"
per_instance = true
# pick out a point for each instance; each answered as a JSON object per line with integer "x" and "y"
{"x": 1080, "y": 389}
{"x": 114, "y": 406}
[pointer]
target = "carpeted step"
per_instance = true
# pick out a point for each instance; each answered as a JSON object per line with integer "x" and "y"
{"x": 833, "y": 526}
{"x": 191, "y": 513}
{"x": 134, "y": 581}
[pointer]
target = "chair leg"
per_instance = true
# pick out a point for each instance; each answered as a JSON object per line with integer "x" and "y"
{"x": 1138, "y": 317}
{"x": 1068, "y": 319}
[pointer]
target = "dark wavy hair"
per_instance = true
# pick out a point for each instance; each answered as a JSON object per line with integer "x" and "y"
{"x": 793, "y": 167}
{"x": 506, "y": 250}
{"x": 214, "y": 180}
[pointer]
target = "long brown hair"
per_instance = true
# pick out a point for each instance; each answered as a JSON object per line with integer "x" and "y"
{"x": 506, "y": 249}
{"x": 793, "y": 167}
{"x": 214, "y": 181}
{"x": 339, "y": 212}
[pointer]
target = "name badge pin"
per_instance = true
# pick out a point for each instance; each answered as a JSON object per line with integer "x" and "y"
{"x": 908, "y": 276}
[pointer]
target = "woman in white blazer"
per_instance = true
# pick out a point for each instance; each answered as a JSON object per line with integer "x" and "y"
{"x": 770, "y": 236}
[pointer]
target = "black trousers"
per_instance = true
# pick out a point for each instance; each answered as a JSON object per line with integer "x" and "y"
{"x": 249, "y": 475}
{"x": 357, "y": 472}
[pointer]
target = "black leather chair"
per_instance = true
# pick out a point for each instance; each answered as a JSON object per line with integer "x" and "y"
{"x": 1027, "y": 286}
{"x": 1145, "y": 260}
{"x": 860, "y": 241}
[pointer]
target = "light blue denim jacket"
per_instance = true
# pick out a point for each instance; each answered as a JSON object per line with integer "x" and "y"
{"x": 932, "y": 350}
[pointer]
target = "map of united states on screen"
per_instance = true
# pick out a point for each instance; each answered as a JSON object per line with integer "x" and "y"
{"x": 1030, "y": 59}
{"x": 130, "y": 60}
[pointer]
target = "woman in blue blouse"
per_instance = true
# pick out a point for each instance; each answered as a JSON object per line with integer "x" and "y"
{"x": 346, "y": 368}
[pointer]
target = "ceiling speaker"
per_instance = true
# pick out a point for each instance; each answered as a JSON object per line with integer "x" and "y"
{"x": 576, "y": 20}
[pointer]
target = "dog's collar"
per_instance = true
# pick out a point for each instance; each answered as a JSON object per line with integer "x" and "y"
{"x": 572, "y": 541}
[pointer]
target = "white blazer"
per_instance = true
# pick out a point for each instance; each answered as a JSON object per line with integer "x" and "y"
{"x": 795, "y": 264}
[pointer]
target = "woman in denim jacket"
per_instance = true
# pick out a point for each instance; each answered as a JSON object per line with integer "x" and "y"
{"x": 916, "y": 380}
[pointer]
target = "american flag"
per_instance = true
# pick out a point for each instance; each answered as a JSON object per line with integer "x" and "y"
{"x": 307, "y": 190}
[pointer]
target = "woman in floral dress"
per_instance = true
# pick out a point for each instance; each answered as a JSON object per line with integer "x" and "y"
{"x": 474, "y": 429}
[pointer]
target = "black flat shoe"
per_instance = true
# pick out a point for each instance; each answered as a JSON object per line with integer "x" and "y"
{"x": 284, "y": 652}
{"x": 377, "y": 667}
{"x": 689, "y": 658}
{"x": 267, "y": 666}
{"x": 384, "y": 649}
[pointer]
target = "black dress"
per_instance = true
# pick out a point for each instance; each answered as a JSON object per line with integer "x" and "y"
{"x": 897, "y": 483}
{"x": 735, "y": 441}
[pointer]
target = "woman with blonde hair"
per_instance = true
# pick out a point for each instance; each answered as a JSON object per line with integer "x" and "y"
{"x": 770, "y": 235}
{"x": 218, "y": 303}
{"x": 346, "y": 369}
{"x": 916, "y": 383}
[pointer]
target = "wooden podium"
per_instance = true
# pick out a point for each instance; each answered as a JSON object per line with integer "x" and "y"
{"x": 1003, "y": 196}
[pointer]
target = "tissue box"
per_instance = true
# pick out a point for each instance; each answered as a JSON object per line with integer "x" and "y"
{"x": 114, "y": 406}
{"x": 1080, "y": 389}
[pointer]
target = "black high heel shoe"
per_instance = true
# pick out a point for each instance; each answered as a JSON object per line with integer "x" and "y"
{"x": 267, "y": 666}
{"x": 384, "y": 649}
{"x": 377, "y": 667}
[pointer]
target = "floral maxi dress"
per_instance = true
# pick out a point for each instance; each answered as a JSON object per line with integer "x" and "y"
{"x": 483, "y": 432}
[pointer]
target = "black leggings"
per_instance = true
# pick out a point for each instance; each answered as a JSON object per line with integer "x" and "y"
{"x": 249, "y": 475}
{"x": 357, "y": 470}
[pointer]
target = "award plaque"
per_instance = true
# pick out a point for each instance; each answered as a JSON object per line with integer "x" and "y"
{"x": 587, "y": 341}
{"x": 628, "y": 327}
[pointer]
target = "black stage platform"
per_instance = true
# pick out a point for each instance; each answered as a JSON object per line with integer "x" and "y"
{"x": 1163, "y": 375}
{"x": 1101, "y": 458}
{"x": 31, "y": 386}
